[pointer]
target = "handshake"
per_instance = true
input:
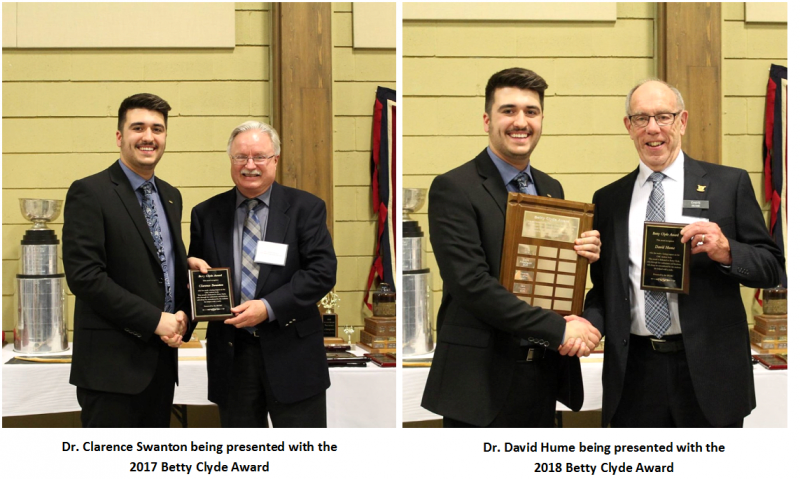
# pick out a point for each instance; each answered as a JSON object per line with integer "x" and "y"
{"x": 580, "y": 337}
{"x": 172, "y": 327}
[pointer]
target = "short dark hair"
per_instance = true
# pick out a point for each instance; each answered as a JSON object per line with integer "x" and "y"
{"x": 148, "y": 101}
{"x": 521, "y": 78}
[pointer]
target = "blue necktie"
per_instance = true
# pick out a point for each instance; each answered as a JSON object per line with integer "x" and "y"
{"x": 250, "y": 238}
{"x": 151, "y": 216}
{"x": 656, "y": 306}
{"x": 521, "y": 180}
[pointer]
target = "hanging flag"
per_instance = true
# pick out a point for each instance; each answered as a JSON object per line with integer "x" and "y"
{"x": 382, "y": 166}
{"x": 775, "y": 157}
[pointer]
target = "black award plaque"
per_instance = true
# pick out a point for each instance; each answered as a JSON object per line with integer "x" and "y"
{"x": 665, "y": 260}
{"x": 211, "y": 293}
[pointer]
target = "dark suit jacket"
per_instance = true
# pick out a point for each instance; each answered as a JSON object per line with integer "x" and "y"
{"x": 713, "y": 319}
{"x": 480, "y": 323}
{"x": 112, "y": 267}
{"x": 292, "y": 345}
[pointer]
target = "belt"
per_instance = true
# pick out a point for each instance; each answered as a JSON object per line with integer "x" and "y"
{"x": 247, "y": 335}
{"x": 530, "y": 353}
{"x": 666, "y": 344}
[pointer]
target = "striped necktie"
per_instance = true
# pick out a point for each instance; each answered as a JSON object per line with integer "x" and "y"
{"x": 656, "y": 306}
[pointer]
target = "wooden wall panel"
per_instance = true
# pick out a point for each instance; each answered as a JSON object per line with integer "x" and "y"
{"x": 302, "y": 95}
{"x": 690, "y": 58}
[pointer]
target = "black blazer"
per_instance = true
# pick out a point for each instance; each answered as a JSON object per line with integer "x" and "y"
{"x": 713, "y": 319}
{"x": 112, "y": 268}
{"x": 480, "y": 323}
{"x": 292, "y": 344}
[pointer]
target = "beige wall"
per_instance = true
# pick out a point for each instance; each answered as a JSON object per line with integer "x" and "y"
{"x": 59, "y": 119}
{"x": 590, "y": 66}
{"x": 748, "y": 49}
{"x": 356, "y": 75}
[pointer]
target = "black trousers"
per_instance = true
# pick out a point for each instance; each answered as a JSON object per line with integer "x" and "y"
{"x": 150, "y": 408}
{"x": 531, "y": 400}
{"x": 658, "y": 390}
{"x": 250, "y": 398}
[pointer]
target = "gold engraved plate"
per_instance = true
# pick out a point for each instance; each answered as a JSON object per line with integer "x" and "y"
{"x": 523, "y": 288}
{"x": 521, "y": 275}
{"x": 542, "y": 302}
{"x": 542, "y": 290}
{"x": 547, "y": 264}
{"x": 566, "y": 267}
{"x": 560, "y": 305}
{"x": 529, "y": 249}
{"x": 564, "y": 292}
{"x": 548, "y": 252}
{"x": 550, "y": 227}
{"x": 569, "y": 254}
{"x": 523, "y": 262}
{"x": 542, "y": 277}
{"x": 566, "y": 280}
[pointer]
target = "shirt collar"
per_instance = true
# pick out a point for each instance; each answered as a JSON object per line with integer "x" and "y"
{"x": 507, "y": 172}
{"x": 671, "y": 172}
{"x": 264, "y": 197}
{"x": 134, "y": 178}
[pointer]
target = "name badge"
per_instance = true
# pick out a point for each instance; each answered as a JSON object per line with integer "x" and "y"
{"x": 701, "y": 204}
{"x": 271, "y": 253}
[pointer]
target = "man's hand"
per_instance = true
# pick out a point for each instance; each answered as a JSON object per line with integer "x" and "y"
{"x": 706, "y": 237}
{"x": 249, "y": 313}
{"x": 588, "y": 245}
{"x": 198, "y": 264}
{"x": 580, "y": 337}
{"x": 170, "y": 325}
{"x": 174, "y": 339}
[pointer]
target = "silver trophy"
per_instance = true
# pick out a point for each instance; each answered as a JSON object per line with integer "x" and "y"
{"x": 41, "y": 302}
{"x": 417, "y": 303}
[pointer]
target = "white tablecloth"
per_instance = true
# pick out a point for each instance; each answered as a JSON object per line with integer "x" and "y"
{"x": 358, "y": 397}
{"x": 771, "y": 393}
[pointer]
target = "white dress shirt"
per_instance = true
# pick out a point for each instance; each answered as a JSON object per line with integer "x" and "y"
{"x": 673, "y": 205}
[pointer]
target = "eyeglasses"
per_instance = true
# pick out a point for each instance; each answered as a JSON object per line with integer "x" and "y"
{"x": 662, "y": 119}
{"x": 259, "y": 160}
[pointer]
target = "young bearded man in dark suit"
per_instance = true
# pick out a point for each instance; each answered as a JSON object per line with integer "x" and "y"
{"x": 677, "y": 360}
{"x": 270, "y": 358}
{"x": 497, "y": 361}
{"x": 126, "y": 264}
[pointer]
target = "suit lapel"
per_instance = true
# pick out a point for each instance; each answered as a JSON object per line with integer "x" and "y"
{"x": 696, "y": 184}
{"x": 222, "y": 228}
{"x": 620, "y": 214}
{"x": 171, "y": 206}
{"x": 541, "y": 185}
{"x": 492, "y": 181}
{"x": 131, "y": 203}
{"x": 277, "y": 226}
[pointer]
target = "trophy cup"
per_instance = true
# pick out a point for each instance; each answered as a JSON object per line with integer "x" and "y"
{"x": 41, "y": 302}
{"x": 330, "y": 320}
{"x": 417, "y": 304}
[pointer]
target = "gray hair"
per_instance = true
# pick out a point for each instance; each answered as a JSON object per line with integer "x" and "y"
{"x": 678, "y": 96}
{"x": 263, "y": 128}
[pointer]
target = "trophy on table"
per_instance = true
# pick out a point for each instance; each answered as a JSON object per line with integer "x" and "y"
{"x": 330, "y": 320}
{"x": 417, "y": 304}
{"x": 40, "y": 325}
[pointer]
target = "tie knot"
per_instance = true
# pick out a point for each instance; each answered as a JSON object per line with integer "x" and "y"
{"x": 521, "y": 180}
{"x": 657, "y": 177}
{"x": 252, "y": 204}
{"x": 147, "y": 187}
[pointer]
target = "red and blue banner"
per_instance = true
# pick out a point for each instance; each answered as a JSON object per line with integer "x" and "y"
{"x": 384, "y": 181}
{"x": 775, "y": 157}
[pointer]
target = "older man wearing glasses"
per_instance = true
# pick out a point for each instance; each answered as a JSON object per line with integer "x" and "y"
{"x": 677, "y": 360}
{"x": 269, "y": 359}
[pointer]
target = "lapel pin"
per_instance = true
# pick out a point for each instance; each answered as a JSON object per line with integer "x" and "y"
{"x": 549, "y": 195}
{"x": 701, "y": 188}
{"x": 170, "y": 202}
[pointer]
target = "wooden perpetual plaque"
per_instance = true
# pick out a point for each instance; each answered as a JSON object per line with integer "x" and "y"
{"x": 539, "y": 264}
